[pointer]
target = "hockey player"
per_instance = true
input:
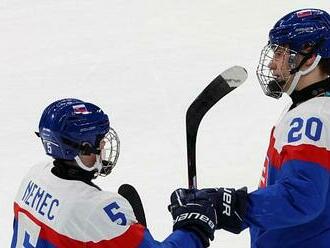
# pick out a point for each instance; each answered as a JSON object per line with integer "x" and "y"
{"x": 57, "y": 205}
{"x": 291, "y": 208}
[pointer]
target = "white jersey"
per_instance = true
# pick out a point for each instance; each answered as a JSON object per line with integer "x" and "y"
{"x": 67, "y": 213}
{"x": 53, "y": 212}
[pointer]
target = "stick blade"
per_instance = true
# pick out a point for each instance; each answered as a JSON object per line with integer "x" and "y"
{"x": 129, "y": 192}
{"x": 235, "y": 76}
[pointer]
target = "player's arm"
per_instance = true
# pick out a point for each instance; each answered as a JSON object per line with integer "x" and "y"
{"x": 178, "y": 238}
{"x": 194, "y": 222}
{"x": 298, "y": 197}
{"x": 113, "y": 224}
{"x": 298, "y": 194}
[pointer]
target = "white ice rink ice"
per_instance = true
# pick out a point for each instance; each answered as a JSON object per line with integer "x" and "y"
{"x": 143, "y": 62}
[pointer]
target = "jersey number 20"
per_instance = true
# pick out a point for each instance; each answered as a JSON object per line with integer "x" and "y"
{"x": 311, "y": 128}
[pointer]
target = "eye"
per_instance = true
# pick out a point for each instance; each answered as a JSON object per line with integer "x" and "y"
{"x": 278, "y": 54}
{"x": 279, "y": 51}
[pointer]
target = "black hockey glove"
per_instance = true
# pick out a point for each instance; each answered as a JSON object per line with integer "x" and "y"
{"x": 230, "y": 205}
{"x": 193, "y": 213}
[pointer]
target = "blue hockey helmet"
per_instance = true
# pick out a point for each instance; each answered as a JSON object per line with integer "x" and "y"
{"x": 70, "y": 127}
{"x": 304, "y": 32}
{"x": 303, "y": 28}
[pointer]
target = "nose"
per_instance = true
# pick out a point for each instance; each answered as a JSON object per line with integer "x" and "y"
{"x": 272, "y": 65}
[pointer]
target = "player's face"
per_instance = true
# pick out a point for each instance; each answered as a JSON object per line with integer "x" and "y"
{"x": 280, "y": 66}
{"x": 275, "y": 67}
{"x": 89, "y": 160}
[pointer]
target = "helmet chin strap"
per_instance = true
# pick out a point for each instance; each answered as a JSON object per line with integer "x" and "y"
{"x": 97, "y": 165}
{"x": 300, "y": 73}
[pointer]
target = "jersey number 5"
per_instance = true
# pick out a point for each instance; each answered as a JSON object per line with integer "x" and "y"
{"x": 311, "y": 128}
{"x": 27, "y": 232}
{"x": 114, "y": 215}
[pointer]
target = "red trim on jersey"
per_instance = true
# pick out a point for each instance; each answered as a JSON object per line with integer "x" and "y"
{"x": 303, "y": 152}
{"x": 131, "y": 238}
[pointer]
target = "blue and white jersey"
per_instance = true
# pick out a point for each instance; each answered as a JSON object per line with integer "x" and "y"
{"x": 291, "y": 208}
{"x": 53, "y": 212}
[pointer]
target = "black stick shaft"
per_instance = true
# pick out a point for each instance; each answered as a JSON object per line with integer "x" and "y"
{"x": 217, "y": 89}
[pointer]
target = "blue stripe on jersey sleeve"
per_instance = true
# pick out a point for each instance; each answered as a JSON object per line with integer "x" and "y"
{"x": 14, "y": 239}
{"x": 298, "y": 196}
{"x": 40, "y": 244}
{"x": 177, "y": 239}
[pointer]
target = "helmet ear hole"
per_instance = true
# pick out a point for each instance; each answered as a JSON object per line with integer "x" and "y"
{"x": 292, "y": 61}
{"x": 86, "y": 149}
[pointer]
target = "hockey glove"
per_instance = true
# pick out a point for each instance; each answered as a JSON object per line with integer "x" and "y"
{"x": 193, "y": 213}
{"x": 230, "y": 205}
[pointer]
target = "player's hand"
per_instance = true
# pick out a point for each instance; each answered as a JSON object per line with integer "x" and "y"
{"x": 193, "y": 213}
{"x": 230, "y": 205}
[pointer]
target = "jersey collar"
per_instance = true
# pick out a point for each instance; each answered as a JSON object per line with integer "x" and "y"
{"x": 321, "y": 88}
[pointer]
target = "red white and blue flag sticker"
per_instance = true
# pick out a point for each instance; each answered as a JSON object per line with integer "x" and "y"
{"x": 80, "y": 109}
{"x": 304, "y": 13}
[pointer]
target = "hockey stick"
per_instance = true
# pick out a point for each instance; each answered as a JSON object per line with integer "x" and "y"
{"x": 224, "y": 83}
{"x": 132, "y": 196}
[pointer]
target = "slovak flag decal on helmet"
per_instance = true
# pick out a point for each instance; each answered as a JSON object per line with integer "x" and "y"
{"x": 80, "y": 109}
{"x": 304, "y": 13}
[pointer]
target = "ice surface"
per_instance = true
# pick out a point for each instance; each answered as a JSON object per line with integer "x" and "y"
{"x": 143, "y": 62}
